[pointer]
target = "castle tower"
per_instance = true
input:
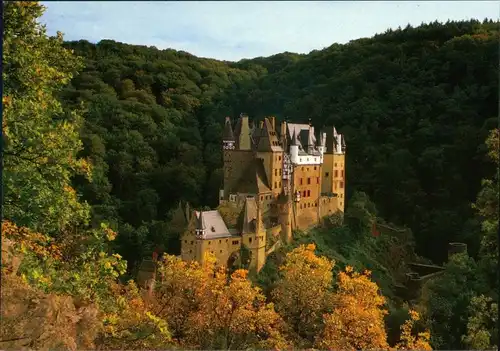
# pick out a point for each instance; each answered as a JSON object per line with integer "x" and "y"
{"x": 228, "y": 147}
{"x": 334, "y": 166}
{"x": 199, "y": 235}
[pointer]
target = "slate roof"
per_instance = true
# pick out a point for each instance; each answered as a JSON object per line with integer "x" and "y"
{"x": 213, "y": 224}
{"x": 249, "y": 215}
{"x": 228, "y": 134}
{"x": 254, "y": 179}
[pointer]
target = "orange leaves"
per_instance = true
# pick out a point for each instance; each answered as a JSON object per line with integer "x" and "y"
{"x": 27, "y": 240}
{"x": 207, "y": 309}
{"x": 357, "y": 319}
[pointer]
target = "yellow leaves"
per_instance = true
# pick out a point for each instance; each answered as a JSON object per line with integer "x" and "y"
{"x": 28, "y": 241}
{"x": 204, "y": 304}
{"x": 6, "y": 101}
{"x": 408, "y": 341}
{"x": 357, "y": 319}
{"x": 110, "y": 234}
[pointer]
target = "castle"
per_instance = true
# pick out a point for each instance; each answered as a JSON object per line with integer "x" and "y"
{"x": 274, "y": 182}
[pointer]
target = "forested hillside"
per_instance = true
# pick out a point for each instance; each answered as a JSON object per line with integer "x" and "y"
{"x": 101, "y": 142}
{"x": 415, "y": 104}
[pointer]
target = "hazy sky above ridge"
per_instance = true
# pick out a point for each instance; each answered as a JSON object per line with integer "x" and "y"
{"x": 234, "y": 30}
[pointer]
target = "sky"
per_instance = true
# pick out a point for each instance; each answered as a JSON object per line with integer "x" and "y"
{"x": 235, "y": 30}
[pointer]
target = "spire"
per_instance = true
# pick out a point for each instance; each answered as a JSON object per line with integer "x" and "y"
{"x": 310, "y": 138}
{"x": 199, "y": 223}
{"x": 294, "y": 139}
{"x": 244, "y": 133}
{"x": 228, "y": 131}
{"x": 200, "y": 230}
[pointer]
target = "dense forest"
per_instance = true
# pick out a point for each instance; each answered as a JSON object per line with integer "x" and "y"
{"x": 102, "y": 141}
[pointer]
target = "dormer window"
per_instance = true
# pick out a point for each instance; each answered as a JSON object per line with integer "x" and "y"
{"x": 212, "y": 229}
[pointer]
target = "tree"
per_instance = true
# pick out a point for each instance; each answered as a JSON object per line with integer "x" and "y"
{"x": 357, "y": 319}
{"x": 207, "y": 309}
{"x": 409, "y": 341}
{"x": 41, "y": 138}
{"x": 303, "y": 292}
{"x": 482, "y": 329}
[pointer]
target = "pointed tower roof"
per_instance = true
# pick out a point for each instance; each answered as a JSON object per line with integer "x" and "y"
{"x": 228, "y": 131}
{"x": 199, "y": 222}
{"x": 295, "y": 141}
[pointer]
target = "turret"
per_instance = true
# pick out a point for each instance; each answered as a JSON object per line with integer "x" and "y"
{"x": 200, "y": 229}
{"x": 310, "y": 139}
{"x": 228, "y": 140}
{"x": 322, "y": 145}
{"x": 294, "y": 149}
{"x": 243, "y": 131}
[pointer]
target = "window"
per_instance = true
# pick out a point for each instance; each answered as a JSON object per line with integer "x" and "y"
{"x": 308, "y": 193}
{"x": 209, "y": 242}
{"x": 220, "y": 251}
{"x": 275, "y": 185}
{"x": 192, "y": 242}
{"x": 280, "y": 184}
{"x": 340, "y": 203}
{"x": 302, "y": 169}
{"x": 341, "y": 185}
{"x": 275, "y": 172}
{"x": 342, "y": 173}
{"x": 185, "y": 241}
{"x": 308, "y": 180}
{"x": 309, "y": 204}
{"x": 280, "y": 171}
{"x": 227, "y": 240}
{"x": 314, "y": 167}
{"x": 279, "y": 158}
{"x": 308, "y": 167}
{"x": 190, "y": 251}
{"x": 300, "y": 181}
{"x": 236, "y": 242}
{"x": 335, "y": 165}
{"x": 261, "y": 198}
{"x": 327, "y": 174}
{"x": 317, "y": 180}
{"x": 334, "y": 185}
{"x": 220, "y": 241}
{"x": 300, "y": 206}
{"x": 336, "y": 173}
{"x": 304, "y": 194}
{"x": 250, "y": 240}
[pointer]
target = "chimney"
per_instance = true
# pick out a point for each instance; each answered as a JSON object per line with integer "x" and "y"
{"x": 272, "y": 119}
